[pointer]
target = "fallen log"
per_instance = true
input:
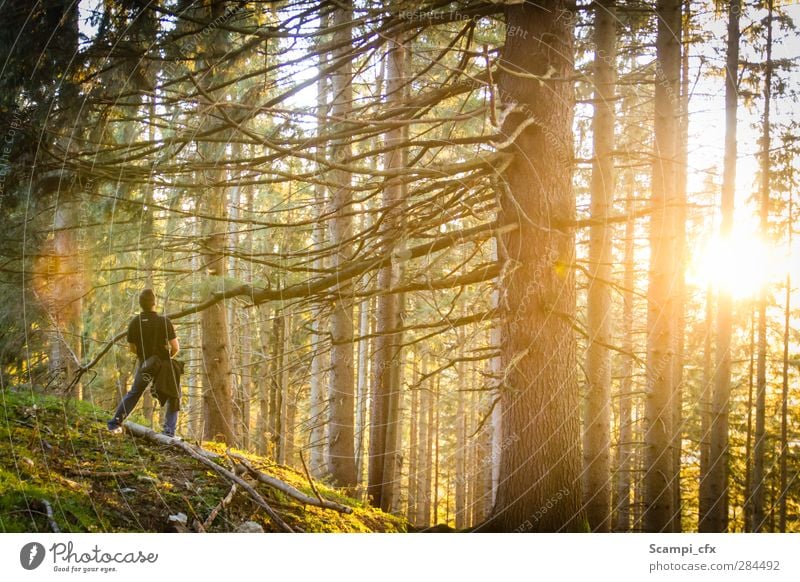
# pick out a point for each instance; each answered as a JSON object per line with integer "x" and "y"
{"x": 288, "y": 489}
{"x": 203, "y": 456}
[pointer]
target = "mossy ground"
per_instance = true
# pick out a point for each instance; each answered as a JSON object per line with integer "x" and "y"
{"x": 59, "y": 451}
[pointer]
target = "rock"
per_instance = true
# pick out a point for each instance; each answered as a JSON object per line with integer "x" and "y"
{"x": 179, "y": 518}
{"x": 249, "y": 527}
{"x": 127, "y": 490}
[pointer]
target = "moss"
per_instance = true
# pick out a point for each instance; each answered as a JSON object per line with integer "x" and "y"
{"x": 59, "y": 451}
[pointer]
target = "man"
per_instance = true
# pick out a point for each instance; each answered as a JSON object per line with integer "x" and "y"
{"x": 152, "y": 338}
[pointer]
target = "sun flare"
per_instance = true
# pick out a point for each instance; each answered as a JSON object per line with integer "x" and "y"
{"x": 740, "y": 264}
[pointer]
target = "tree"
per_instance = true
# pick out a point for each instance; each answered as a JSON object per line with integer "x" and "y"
{"x": 386, "y": 354}
{"x": 597, "y": 417}
{"x": 757, "y": 493}
{"x": 714, "y": 485}
{"x": 661, "y": 308}
{"x": 539, "y": 389}
{"x": 342, "y": 398}
{"x": 217, "y": 376}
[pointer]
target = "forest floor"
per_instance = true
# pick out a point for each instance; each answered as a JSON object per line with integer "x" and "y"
{"x": 57, "y": 451}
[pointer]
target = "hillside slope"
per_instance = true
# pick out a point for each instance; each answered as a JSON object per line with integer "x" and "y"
{"x": 57, "y": 452}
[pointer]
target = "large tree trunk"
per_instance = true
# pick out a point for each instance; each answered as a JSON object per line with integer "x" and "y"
{"x": 597, "y": 418}
{"x": 757, "y": 494}
{"x": 217, "y": 378}
{"x": 661, "y": 342}
{"x": 541, "y": 459}
{"x": 714, "y": 487}
{"x": 342, "y": 400}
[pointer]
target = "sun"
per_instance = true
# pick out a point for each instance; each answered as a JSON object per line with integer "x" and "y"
{"x": 741, "y": 264}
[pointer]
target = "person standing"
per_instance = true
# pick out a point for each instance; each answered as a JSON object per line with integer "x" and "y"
{"x": 152, "y": 338}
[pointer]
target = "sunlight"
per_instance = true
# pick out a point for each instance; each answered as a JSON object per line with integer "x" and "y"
{"x": 741, "y": 264}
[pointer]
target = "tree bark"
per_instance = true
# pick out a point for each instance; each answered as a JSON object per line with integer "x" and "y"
{"x": 541, "y": 459}
{"x": 413, "y": 445}
{"x": 217, "y": 378}
{"x": 680, "y": 283}
{"x": 341, "y": 447}
{"x": 714, "y": 488}
{"x": 757, "y": 494}
{"x": 386, "y": 352}
{"x": 661, "y": 340}
{"x": 460, "y": 456}
{"x": 597, "y": 416}
{"x": 625, "y": 447}
{"x": 423, "y": 495}
{"x": 784, "y": 445}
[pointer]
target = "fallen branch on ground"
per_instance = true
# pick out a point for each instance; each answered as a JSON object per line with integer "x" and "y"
{"x": 221, "y": 505}
{"x": 310, "y": 480}
{"x": 288, "y": 489}
{"x": 202, "y": 455}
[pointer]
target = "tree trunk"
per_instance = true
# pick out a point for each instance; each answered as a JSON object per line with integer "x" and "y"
{"x": 262, "y": 442}
{"x": 276, "y": 411}
{"x": 393, "y": 459}
{"x": 362, "y": 387}
{"x": 460, "y": 456}
{"x": 341, "y": 441}
{"x": 680, "y": 283}
{"x": 757, "y": 495}
{"x": 597, "y": 418}
{"x": 714, "y": 488}
{"x": 748, "y": 456}
{"x": 784, "y": 445}
{"x": 317, "y": 390}
{"x": 541, "y": 459}
{"x": 625, "y": 443}
{"x": 661, "y": 342}
{"x": 413, "y": 444}
{"x": 423, "y": 495}
{"x": 246, "y": 342}
{"x": 385, "y": 357}
{"x": 217, "y": 380}
{"x": 705, "y": 496}
{"x": 288, "y": 397}
{"x": 435, "y": 415}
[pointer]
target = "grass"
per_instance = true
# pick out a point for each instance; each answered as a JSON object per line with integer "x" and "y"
{"x": 59, "y": 451}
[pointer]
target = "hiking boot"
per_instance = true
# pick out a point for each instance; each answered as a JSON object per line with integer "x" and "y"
{"x": 113, "y": 427}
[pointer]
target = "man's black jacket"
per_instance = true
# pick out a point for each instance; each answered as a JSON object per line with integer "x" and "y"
{"x": 168, "y": 382}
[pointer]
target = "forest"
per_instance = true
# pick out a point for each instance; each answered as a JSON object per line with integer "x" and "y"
{"x": 482, "y": 265}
